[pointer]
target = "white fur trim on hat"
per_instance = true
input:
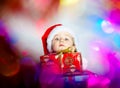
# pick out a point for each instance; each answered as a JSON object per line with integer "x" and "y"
{"x": 61, "y": 29}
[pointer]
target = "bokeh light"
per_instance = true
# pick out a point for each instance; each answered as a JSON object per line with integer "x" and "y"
{"x": 107, "y": 27}
{"x": 9, "y": 69}
{"x": 68, "y": 2}
{"x": 116, "y": 41}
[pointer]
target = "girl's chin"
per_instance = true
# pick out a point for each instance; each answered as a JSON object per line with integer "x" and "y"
{"x": 61, "y": 49}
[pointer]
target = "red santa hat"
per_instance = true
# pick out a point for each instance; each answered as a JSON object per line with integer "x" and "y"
{"x": 51, "y": 32}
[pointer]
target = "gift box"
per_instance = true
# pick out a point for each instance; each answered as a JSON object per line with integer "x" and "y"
{"x": 67, "y": 63}
{"x": 71, "y": 63}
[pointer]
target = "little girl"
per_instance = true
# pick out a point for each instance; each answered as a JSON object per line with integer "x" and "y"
{"x": 61, "y": 48}
{"x": 61, "y": 56}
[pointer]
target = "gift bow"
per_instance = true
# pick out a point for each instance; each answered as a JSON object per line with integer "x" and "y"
{"x": 69, "y": 49}
{"x": 60, "y": 54}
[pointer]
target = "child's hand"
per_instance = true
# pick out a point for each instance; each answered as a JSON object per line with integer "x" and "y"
{"x": 72, "y": 49}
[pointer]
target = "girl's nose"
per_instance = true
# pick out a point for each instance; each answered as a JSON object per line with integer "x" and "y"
{"x": 61, "y": 39}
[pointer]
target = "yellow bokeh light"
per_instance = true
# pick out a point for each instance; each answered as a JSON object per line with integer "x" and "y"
{"x": 68, "y": 2}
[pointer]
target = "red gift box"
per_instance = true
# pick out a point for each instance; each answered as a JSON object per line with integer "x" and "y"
{"x": 65, "y": 63}
{"x": 72, "y": 62}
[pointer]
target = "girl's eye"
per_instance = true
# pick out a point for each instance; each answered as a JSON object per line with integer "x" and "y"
{"x": 66, "y": 39}
{"x": 56, "y": 39}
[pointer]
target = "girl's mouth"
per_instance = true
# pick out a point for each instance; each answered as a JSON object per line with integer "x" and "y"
{"x": 61, "y": 45}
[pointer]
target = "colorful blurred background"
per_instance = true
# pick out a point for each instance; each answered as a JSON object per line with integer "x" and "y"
{"x": 23, "y": 22}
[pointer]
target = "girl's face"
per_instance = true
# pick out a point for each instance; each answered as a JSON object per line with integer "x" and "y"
{"x": 62, "y": 41}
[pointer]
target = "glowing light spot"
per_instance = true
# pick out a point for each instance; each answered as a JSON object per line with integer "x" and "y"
{"x": 117, "y": 40}
{"x": 9, "y": 69}
{"x": 114, "y": 16}
{"x": 107, "y": 26}
{"x": 96, "y": 48}
{"x": 68, "y": 2}
{"x": 96, "y": 45}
